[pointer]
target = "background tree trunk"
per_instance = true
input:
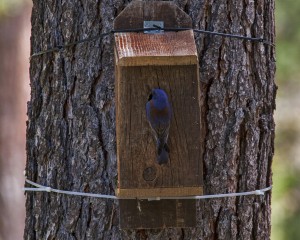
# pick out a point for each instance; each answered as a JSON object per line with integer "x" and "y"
{"x": 71, "y": 128}
{"x": 14, "y": 93}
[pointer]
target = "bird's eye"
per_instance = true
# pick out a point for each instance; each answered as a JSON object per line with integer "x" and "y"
{"x": 150, "y": 97}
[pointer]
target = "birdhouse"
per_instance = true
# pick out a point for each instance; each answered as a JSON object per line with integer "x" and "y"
{"x": 145, "y": 61}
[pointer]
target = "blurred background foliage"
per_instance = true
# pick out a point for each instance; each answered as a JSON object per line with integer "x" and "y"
{"x": 14, "y": 94}
{"x": 10, "y": 7}
{"x": 286, "y": 166}
{"x": 286, "y": 163}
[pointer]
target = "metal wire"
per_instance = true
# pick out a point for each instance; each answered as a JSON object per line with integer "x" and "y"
{"x": 41, "y": 188}
{"x": 60, "y": 47}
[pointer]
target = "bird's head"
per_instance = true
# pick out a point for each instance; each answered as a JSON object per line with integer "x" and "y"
{"x": 157, "y": 94}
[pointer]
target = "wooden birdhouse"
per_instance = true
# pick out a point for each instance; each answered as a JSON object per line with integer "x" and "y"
{"x": 144, "y": 61}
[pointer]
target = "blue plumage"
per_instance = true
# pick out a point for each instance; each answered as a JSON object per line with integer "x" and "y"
{"x": 159, "y": 113}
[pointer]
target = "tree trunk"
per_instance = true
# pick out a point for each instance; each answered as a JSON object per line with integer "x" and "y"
{"x": 71, "y": 128}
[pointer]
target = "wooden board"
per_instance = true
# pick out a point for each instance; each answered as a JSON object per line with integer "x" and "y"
{"x": 136, "y": 147}
{"x": 169, "y": 48}
{"x": 143, "y": 214}
{"x": 152, "y": 192}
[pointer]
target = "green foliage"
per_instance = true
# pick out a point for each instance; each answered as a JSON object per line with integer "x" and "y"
{"x": 288, "y": 39}
{"x": 9, "y": 7}
{"x": 286, "y": 166}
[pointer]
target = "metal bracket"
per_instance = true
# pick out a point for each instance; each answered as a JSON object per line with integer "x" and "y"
{"x": 153, "y": 24}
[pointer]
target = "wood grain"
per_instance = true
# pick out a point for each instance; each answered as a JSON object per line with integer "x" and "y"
{"x": 136, "y": 148}
{"x": 170, "y": 192}
{"x": 144, "y": 214}
{"x": 169, "y": 48}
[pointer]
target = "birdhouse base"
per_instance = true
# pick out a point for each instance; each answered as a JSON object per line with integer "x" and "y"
{"x": 159, "y": 192}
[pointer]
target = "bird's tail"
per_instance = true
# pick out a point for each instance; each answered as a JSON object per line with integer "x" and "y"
{"x": 162, "y": 153}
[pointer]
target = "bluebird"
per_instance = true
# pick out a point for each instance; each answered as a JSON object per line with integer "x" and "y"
{"x": 159, "y": 113}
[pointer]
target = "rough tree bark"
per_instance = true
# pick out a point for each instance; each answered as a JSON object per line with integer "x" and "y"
{"x": 71, "y": 127}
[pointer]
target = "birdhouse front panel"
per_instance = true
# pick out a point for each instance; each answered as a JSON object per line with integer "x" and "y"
{"x": 158, "y": 115}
